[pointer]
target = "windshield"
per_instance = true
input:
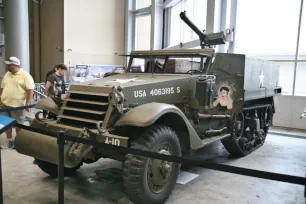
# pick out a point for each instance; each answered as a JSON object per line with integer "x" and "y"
{"x": 166, "y": 64}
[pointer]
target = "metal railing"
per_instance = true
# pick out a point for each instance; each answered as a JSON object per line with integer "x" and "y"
{"x": 40, "y": 89}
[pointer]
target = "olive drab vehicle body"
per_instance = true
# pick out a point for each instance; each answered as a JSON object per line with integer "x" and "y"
{"x": 167, "y": 101}
{"x": 233, "y": 103}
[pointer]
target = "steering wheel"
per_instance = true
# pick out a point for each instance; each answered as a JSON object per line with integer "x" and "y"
{"x": 193, "y": 71}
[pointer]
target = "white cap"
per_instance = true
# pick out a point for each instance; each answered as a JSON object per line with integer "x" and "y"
{"x": 13, "y": 60}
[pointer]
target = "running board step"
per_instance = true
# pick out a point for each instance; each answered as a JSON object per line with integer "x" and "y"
{"x": 209, "y": 140}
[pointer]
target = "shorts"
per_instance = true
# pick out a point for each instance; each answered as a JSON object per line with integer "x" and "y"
{"x": 18, "y": 115}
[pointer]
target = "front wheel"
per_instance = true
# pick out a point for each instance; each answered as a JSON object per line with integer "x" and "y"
{"x": 150, "y": 180}
{"x": 52, "y": 169}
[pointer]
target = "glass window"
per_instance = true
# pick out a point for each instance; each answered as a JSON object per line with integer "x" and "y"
{"x": 187, "y": 32}
{"x": 200, "y": 15}
{"x": 302, "y": 46}
{"x": 143, "y": 33}
{"x": 196, "y": 11}
{"x": 267, "y": 27}
{"x": 143, "y": 3}
{"x": 147, "y": 65}
{"x": 286, "y": 77}
{"x": 179, "y": 65}
{"x": 175, "y": 30}
{"x": 138, "y": 65}
{"x": 300, "y": 81}
{"x": 186, "y": 65}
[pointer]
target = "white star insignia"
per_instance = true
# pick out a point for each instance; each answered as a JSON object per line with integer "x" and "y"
{"x": 123, "y": 81}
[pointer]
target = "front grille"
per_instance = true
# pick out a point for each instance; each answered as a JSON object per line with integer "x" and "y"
{"x": 83, "y": 109}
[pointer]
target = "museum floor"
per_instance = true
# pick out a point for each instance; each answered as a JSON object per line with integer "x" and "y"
{"x": 24, "y": 182}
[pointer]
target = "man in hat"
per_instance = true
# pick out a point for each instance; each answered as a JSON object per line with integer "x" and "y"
{"x": 16, "y": 90}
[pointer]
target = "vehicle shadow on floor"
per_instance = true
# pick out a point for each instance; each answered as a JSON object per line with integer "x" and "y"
{"x": 83, "y": 185}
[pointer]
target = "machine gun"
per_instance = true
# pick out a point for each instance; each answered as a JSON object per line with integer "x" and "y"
{"x": 205, "y": 39}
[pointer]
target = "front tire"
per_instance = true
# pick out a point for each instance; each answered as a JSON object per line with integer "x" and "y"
{"x": 52, "y": 169}
{"x": 149, "y": 180}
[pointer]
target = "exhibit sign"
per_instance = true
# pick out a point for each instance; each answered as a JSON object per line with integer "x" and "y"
{"x": 88, "y": 72}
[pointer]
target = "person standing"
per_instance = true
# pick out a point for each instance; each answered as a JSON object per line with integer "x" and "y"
{"x": 50, "y": 73}
{"x": 45, "y": 113}
{"x": 17, "y": 88}
{"x": 55, "y": 85}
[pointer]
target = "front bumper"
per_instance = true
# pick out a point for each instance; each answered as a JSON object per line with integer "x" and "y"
{"x": 45, "y": 148}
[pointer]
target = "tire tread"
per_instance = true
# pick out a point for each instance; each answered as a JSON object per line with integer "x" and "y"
{"x": 132, "y": 173}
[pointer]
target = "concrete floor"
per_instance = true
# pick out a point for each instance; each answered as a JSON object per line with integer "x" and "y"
{"x": 24, "y": 182}
{"x": 290, "y": 131}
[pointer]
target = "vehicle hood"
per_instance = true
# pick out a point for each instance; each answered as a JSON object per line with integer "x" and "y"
{"x": 130, "y": 80}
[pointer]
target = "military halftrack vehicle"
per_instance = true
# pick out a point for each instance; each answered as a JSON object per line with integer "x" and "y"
{"x": 169, "y": 102}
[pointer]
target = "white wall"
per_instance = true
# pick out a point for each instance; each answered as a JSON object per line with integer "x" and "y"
{"x": 288, "y": 111}
{"x": 94, "y": 31}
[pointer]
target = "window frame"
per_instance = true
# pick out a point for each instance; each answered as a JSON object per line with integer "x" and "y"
{"x": 168, "y": 5}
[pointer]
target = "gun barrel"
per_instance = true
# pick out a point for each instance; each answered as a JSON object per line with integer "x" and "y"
{"x": 192, "y": 26}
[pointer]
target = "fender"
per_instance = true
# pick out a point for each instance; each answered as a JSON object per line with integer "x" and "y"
{"x": 147, "y": 114}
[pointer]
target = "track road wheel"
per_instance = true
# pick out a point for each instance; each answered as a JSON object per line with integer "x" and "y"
{"x": 52, "y": 169}
{"x": 235, "y": 144}
{"x": 150, "y": 180}
{"x": 268, "y": 117}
